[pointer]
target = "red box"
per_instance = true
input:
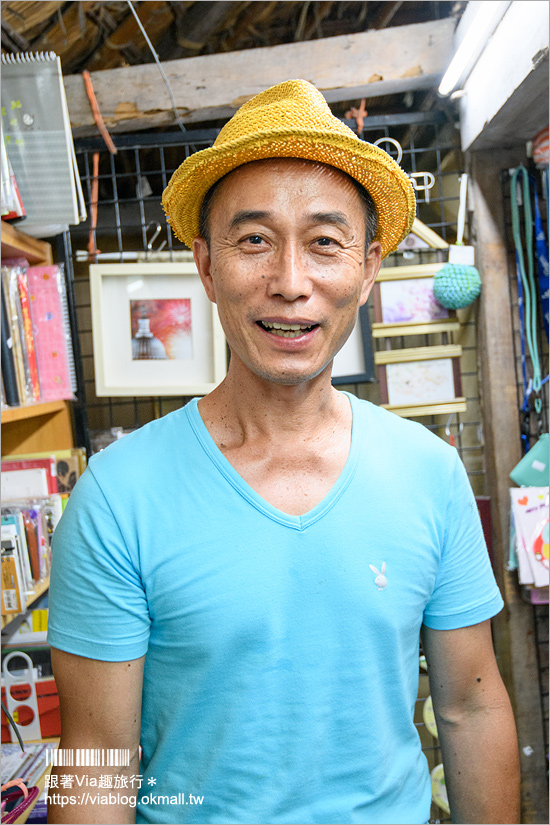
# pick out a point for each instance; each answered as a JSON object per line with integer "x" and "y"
{"x": 48, "y": 708}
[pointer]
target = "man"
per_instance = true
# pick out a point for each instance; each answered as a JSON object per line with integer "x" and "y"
{"x": 248, "y": 576}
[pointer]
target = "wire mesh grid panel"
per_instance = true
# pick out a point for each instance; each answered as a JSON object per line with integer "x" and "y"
{"x": 130, "y": 225}
{"x": 430, "y": 143}
{"x": 130, "y": 186}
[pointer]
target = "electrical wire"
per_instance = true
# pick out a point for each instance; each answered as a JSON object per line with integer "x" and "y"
{"x": 159, "y": 64}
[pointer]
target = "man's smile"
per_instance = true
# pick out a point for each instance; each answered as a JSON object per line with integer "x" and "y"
{"x": 287, "y": 330}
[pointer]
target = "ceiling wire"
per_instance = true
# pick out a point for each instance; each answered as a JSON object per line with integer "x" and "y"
{"x": 161, "y": 70}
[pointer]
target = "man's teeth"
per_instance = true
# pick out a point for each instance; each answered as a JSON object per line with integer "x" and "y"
{"x": 286, "y": 330}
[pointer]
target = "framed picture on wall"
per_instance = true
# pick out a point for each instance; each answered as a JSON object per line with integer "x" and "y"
{"x": 354, "y": 364}
{"x": 154, "y": 331}
{"x": 404, "y": 303}
{"x": 421, "y": 380}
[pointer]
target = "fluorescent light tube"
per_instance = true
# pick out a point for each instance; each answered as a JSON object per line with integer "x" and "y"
{"x": 488, "y": 16}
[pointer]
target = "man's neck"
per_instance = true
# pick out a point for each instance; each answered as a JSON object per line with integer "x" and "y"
{"x": 289, "y": 443}
{"x": 246, "y": 407}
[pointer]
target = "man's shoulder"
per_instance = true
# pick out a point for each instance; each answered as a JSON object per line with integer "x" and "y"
{"x": 401, "y": 436}
{"x": 154, "y": 447}
{"x": 395, "y": 425}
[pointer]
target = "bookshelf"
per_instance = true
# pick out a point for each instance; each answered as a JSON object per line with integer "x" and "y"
{"x": 39, "y": 590}
{"x": 34, "y": 427}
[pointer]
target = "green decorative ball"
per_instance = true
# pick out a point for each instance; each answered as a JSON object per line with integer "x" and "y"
{"x": 456, "y": 285}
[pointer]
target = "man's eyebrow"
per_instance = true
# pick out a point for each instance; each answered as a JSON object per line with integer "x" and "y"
{"x": 245, "y": 215}
{"x": 337, "y": 218}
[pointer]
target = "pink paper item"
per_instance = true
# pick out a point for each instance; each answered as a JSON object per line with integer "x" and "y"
{"x": 50, "y": 339}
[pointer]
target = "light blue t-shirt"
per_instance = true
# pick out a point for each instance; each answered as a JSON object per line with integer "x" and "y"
{"x": 281, "y": 670}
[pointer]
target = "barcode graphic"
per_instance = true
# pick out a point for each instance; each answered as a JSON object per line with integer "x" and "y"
{"x": 89, "y": 757}
{"x": 10, "y": 599}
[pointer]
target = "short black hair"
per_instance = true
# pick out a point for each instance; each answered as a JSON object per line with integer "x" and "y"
{"x": 369, "y": 209}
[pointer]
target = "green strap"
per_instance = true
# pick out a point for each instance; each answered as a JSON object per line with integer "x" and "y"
{"x": 528, "y": 279}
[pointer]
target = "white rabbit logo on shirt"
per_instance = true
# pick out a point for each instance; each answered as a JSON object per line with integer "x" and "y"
{"x": 380, "y": 579}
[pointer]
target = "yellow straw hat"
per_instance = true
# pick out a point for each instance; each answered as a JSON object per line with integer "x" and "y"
{"x": 292, "y": 120}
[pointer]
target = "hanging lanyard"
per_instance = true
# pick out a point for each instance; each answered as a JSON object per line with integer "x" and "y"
{"x": 541, "y": 246}
{"x": 527, "y": 277}
{"x": 527, "y": 385}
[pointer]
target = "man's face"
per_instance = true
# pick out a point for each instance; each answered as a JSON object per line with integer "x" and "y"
{"x": 287, "y": 249}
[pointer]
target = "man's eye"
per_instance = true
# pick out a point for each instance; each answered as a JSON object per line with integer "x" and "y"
{"x": 254, "y": 239}
{"x": 325, "y": 242}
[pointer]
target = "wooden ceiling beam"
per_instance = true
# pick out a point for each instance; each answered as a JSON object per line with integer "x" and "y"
{"x": 28, "y": 18}
{"x": 12, "y": 40}
{"x": 386, "y": 15}
{"x": 367, "y": 64}
{"x": 320, "y": 11}
{"x": 195, "y": 28}
{"x": 123, "y": 39}
{"x": 66, "y": 36}
{"x": 255, "y": 14}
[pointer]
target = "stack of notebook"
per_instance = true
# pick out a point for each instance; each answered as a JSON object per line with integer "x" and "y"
{"x": 39, "y": 143}
{"x": 37, "y": 353}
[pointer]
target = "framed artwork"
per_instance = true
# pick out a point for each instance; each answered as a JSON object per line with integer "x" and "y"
{"x": 354, "y": 364}
{"x": 404, "y": 303}
{"x": 421, "y": 381}
{"x": 154, "y": 331}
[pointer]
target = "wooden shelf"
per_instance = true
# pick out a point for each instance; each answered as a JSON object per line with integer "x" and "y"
{"x": 36, "y": 428}
{"x": 16, "y": 244}
{"x": 31, "y": 411}
{"x": 39, "y": 590}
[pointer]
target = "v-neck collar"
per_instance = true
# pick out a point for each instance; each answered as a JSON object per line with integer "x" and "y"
{"x": 247, "y": 492}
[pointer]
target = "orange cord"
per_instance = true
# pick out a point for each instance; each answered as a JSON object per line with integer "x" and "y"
{"x": 96, "y": 113}
{"x": 359, "y": 114}
{"x": 92, "y": 249}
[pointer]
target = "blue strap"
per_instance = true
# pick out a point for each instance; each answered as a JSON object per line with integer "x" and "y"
{"x": 521, "y": 309}
{"x": 541, "y": 246}
{"x": 527, "y": 385}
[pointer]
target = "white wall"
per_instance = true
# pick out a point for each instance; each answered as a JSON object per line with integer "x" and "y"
{"x": 509, "y": 59}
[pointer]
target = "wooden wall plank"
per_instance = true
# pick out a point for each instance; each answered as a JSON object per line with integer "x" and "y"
{"x": 514, "y": 626}
{"x": 368, "y": 64}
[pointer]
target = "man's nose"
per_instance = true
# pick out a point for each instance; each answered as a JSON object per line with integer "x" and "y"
{"x": 291, "y": 276}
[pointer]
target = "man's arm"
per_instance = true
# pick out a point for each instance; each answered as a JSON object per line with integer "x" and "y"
{"x": 475, "y": 725}
{"x": 100, "y": 708}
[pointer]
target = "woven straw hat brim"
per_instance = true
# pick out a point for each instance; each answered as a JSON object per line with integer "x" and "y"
{"x": 389, "y": 187}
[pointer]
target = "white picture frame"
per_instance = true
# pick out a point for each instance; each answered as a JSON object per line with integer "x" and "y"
{"x": 170, "y": 292}
{"x": 404, "y": 303}
{"x": 421, "y": 380}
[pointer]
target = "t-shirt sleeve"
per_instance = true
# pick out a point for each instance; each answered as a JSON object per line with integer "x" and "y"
{"x": 97, "y": 603}
{"x": 465, "y": 590}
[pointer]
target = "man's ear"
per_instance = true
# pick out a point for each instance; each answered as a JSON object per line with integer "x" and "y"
{"x": 373, "y": 262}
{"x": 203, "y": 264}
